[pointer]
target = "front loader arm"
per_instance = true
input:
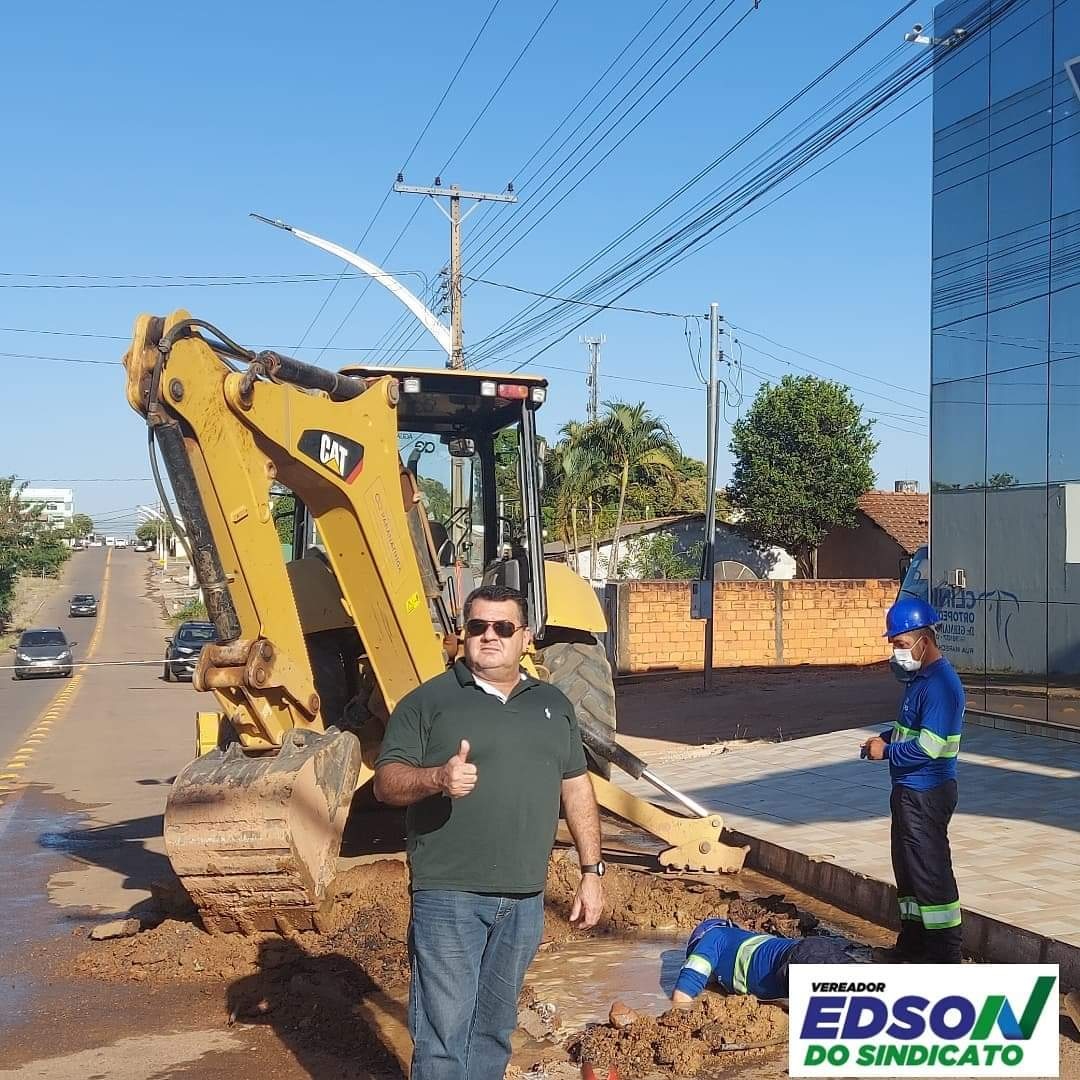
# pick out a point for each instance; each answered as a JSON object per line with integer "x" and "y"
{"x": 226, "y": 437}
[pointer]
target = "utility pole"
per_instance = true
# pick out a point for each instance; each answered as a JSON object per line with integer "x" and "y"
{"x": 455, "y": 217}
{"x": 456, "y": 359}
{"x": 593, "y": 381}
{"x": 703, "y": 600}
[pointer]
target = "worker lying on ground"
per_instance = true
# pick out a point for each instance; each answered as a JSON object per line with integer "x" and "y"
{"x": 743, "y": 962}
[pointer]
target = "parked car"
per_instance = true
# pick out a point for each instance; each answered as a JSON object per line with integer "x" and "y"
{"x": 45, "y": 651}
{"x": 182, "y": 650}
{"x": 82, "y": 604}
{"x": 144, "y": 545}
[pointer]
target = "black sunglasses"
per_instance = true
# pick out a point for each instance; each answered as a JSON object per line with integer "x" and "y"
{"x": 503, "y": 627}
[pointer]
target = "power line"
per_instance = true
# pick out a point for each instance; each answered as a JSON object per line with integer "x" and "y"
{"x": 765, "y": 377}
{"x": 645, "y": 219}
{"x": 583, "y": 303}
{"x": 827, "y": 363}
{"x": 405, "y": 164}
{"x": 60, "y": 359}
{"x": 453, "y": 153}
{"x": 520, "y": 221}
{"x": 127, "y": 337}
{"x": 696, "y": 233}
{"x": 810, "y": 371}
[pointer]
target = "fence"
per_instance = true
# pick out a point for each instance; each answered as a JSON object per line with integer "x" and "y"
{"x": 758, "y": 623}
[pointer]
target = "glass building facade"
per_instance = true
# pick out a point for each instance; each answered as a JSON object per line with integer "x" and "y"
{"x": 1005, "y": 356}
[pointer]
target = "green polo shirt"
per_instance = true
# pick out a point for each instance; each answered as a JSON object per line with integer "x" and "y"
{"x": 498, "y": 838}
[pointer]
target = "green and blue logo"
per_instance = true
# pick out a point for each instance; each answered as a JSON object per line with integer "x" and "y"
{"x": 975, "y": 1020}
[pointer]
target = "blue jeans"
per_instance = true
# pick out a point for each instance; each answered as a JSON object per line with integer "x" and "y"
{"x": 469, "y": 954}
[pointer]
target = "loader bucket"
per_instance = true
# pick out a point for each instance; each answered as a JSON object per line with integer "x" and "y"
{"x": 255, "y": 838}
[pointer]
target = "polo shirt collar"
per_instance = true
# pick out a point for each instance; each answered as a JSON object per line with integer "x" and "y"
{"x": 466, "y": 678}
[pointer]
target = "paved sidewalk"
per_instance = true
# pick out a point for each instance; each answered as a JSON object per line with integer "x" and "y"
{"x": 1015, "y": 836}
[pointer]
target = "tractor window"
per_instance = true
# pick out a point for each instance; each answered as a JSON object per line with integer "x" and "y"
{"x": 458, "y": 531}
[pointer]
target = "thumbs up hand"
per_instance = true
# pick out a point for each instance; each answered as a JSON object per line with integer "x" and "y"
{"x": 457, "y": 777}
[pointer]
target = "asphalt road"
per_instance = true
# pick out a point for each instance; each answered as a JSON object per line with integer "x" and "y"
{"x": 22, "y": 701}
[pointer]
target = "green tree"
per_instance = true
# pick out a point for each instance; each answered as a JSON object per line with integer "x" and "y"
{"x": 284, "y": 511}
{"x": 26, "y": 542}
{"x": 1001, "y": 480}
{"x": 638, "y": 444}
{"x": 81, "y": 525}
{"x": 437, "y": 497}
{"x": 580, "y": 474}
{"x": 656, "y": 557}
{"x": 802, "y": 459}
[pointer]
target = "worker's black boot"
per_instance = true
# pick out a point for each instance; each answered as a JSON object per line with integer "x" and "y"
{"x": 909, "y": 947}
{"x": 943, "y": 946}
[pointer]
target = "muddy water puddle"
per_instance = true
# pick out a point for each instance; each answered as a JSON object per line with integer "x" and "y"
{"x": 582, "y": 978}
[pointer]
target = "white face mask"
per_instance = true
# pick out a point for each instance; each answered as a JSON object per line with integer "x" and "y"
{"x": 905, "y": 661}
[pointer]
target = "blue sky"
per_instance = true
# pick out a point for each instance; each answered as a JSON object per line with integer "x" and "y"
{"x": 137, "y": 141}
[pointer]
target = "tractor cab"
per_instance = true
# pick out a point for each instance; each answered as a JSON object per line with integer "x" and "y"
{"x": 469, "y": 441}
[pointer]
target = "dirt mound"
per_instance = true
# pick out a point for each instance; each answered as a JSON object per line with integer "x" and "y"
{"x": 645, "y": 900}
{"x": 367, "y": 929}
{"x": 716, "y": 1031}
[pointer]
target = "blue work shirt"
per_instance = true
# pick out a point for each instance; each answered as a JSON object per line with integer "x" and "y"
{"x": 741, "y": 961}
{"x": 923, "y": 743}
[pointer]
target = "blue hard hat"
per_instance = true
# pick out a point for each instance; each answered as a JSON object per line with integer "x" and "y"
{"x": 907, "y": 614}
{"x": 703, "y": 928}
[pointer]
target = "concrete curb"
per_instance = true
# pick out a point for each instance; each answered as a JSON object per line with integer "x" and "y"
{"x": 985, "y": 937}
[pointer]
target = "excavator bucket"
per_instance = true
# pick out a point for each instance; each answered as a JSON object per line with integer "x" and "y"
{"x": 255, "y": 837}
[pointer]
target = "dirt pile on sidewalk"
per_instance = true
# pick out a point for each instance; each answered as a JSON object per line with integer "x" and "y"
{"x": 716, "y": 1032}
{"x": 642, "y": 900}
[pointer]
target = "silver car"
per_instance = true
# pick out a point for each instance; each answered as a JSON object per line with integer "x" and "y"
{"x": 43, "y": 652}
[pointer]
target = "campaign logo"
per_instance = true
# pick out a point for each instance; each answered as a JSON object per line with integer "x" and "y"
{"x": 929, "y": 1020}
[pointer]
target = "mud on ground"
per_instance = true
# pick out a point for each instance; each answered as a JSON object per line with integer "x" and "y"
{"x": 716, "y": 1031}
{"x": 308, "y": 986}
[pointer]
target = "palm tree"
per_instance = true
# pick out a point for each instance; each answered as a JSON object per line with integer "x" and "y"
{"x": 581, "y": 472}
{"x": 634, "y": 440}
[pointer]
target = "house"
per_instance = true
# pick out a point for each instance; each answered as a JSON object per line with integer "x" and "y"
{"x": 745, "y": 557}
{"x": 890, "y": 527}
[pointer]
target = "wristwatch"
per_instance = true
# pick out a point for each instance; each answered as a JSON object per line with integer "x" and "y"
{"x": 597, "y": 868}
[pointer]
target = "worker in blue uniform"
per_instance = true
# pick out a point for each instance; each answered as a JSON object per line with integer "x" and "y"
{"x": 744, "y": 962}
{"x": 922, "y": 748}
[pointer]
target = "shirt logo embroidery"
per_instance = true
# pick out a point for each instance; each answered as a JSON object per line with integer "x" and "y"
{"x": 547, "y": 712}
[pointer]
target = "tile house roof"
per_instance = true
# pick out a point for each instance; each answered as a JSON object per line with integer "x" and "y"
{"x": 904, "y": 516}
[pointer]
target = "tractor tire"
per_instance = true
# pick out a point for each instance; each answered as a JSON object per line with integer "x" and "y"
{"x": 582, "y": 672}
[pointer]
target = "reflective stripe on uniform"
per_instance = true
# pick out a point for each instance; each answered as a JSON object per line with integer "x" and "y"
{"x": 901, "y": 733}
{"x": 909, "y": 908}
{"x": 742, "y": 961}
{"x": 941, "y": 916}
{"x": 698, "y": 964}
{"x": 937, "y": 747}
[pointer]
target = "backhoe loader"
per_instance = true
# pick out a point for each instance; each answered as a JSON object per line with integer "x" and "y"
{"x": 408, "y": 488}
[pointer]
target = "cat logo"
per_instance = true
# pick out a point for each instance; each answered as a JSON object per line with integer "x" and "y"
{"x": 343, "y": 457}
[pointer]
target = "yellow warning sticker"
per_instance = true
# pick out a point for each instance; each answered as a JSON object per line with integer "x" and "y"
{"x": 412, "y": 603}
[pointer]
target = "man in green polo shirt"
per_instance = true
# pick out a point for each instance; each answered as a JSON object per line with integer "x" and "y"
{"x": 481, "y": 756}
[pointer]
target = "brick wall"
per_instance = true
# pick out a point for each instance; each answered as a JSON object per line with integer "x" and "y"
{"x": 763, "y": 623}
